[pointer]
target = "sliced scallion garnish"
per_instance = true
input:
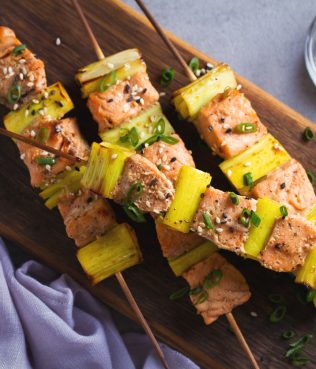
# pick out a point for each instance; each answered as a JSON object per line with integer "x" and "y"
{"x": 310, "y": 176}
{"x": 207, "y": 221}
{"x": 167, "y": 75}
{"x": 41, "y": 160}
{"x": 194, "y": 64}
{"x": 132, "y": 137}
{"x": 284, "y": 212}
{"x": 245, "y": 217}
{"x": 104, "y": 84}
{"x": 276, "y": 298}
{"x": 234, "y": 198}
{"x": 42, "y": 135}
{"x": 255, "y": 219}
{"x": 14, "y": 93}
{"x": 311, "y": 295}
{"x": 278, "y": 314}
{"x": 213, "y": 279}
{"x": 308, "y": 134}
{"x": 246, "y": 128}
{"x": 18, "y": 49}
{"x": 201, "y": 298}
{"x": 288, "y": 334}
{"x": 248, "y": 179}
{"x": 134, "y": 213}
{"x": 179, "y": 294}
{"x": 159, "y": 128}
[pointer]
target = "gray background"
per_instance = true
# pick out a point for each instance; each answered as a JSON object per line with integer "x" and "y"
{"x": 263, "y": 40}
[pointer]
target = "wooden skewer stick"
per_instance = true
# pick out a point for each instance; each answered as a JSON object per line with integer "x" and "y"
{"x": 119, "y": 276}
{"x": 192, "y": 78}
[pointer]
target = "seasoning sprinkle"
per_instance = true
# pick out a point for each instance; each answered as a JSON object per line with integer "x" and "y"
{"x": 45, "y": 160}
{"x": 207, "y": 221}
{"x": 167, "y": 76}
{"x": 248, "y": 179}
{"x": 284, "y": 212}
{"x": 246, "y": 128}
{"x": 308, "y": 134}
{"x": 18, "y": 49}
{"x": 278, "y": 314}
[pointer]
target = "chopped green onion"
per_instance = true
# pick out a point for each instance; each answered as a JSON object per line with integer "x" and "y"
{"x": 133, "y": 213}
{"x": 234, "y": 198}
{"x": 159, "y": 166}
{"x": 207, "y": 221}
{"x": 195, "y": 291}
{"x": 293, "y": 351}
{"x": 151, "y": 140}
{"x": 275, "y": 298}
{"x": 255, "y": 219}
{"x": 311, "y": 295}
{"x": 45, "y": 160}
{"x": 248, "y": 179}
{"x": 159, "y": 127}
{"x": 42, "y": 135}
{"x": 303, "y": 340}
{"x": 203, "y": 297}
{"x": 194, "y": 64}
{"x": 245, "y": 217}
{"x": 288, "y": 335}
{"x": 278, "y": 314}
{"x": 14, "y": 93}
{"x": 284, "y": 212}
{"x": 104, "y": 85}
{"x": 169, "y": 139}
{"x": 167, "y": 75}
{"x": 298, "y": 359}
{"x": 227, "y": 92}
{"x": 213, "y": 279}
{"x": 308, "y": 134}
{"x": 246, "y": 128}
{"x": 135, "y": 190}
{"x": 18, "y": 49}
{"x": 179, "y": 294}
{"x": 131, "y": 136}
{"x": 310, "y": 176}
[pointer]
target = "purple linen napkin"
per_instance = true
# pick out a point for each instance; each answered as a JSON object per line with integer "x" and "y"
{"x": 49, "y": 321}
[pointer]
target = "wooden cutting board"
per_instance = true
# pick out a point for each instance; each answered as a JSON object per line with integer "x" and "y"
{"x": 25, "y": 220}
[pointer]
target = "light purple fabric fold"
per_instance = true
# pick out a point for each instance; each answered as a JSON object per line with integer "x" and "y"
{"x": 49, "y": 321}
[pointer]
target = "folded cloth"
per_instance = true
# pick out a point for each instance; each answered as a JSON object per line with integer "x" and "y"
{"x": 49, "y": 322}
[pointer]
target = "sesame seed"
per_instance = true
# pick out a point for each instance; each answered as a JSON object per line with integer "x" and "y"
{"x": 33, "y": 133}
{"x": 254, "y": 314}
{"x": 229, "y": 172}
{"x": 15, "y": 106}
{"x": 48, "y": 167}
{"x": 68, "y": 168}
{"x": 146, "y": 144}
{"x": 45, "y": 94}
{"x": 199, "y": 229}
{"x": 41, "y": 111}
{"x": 5, "y": 70}
{"x": 8, "y": 76}
{"x": 224, "y": 143}
{"x": 127, "y": 66}
{"x": 30, "y": 84}
{"x": 58, "y": 41}
{"x": 148, "y": 203}
{"x": 126, "y": 108}
{"x": 21, "y": 76}
{"x": 226, "y": 125}
{"x": 26, "y": 113}
{"x": 110, "y": 65}
{"x": 219, "y": 230}
{"x": 10, "y": 70}
{"x": 209, "y": 66}
{"x": 152, "y": 118}
{"x": 22, "y": 61}
{"x": 24, "y": 71}
{"x": 167, "y": 167}
{"x": 162, "y": 94}
{"x": 31, "y": 77}
{"x": 142, "y": 134}
{"x": 217, "y": 220}
{"x": 247, "y": 164}
{"x": 114, "y": 156}
{"x": 142, "y": 101}
{"x": 22, "y": 156}
{"x": 238, "y": 87}
{"x": 35, "y": 101}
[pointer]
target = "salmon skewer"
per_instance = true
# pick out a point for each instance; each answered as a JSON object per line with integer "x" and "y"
{"x": 87, "y": 216}
{"x": 173, "y": 174}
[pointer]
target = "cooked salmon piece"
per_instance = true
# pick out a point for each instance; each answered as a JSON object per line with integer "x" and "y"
{"x": 174, "y": 243}
{"x": 227, "y": 232}
{"x": 289, "y": 185}
{"x": 8, "y": 41}
{"x": 86, "y": 216}
{"x": 168, "y": 157}
{"x": 63, "y": 135}
{"x": 218, "y": 119}
{"x": 291, "y": 240}
{"x": 23, "y": 71}
{"x": 230, "y": 292}
{"x": 122, "y": 101}
{"x": 157, "y": 191}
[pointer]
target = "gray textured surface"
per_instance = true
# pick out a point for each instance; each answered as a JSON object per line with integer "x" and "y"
{"x": 262, "y": 40}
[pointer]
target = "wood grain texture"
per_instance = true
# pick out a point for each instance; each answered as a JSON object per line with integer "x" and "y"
{"x": 25, "y": 220}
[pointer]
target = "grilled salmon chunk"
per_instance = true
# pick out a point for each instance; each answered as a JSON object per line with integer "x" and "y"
{"x": 22, "y": 76}
{"x": 218, "y": 120}
{"x": 63, "y": 135}
{"x": 289, "y": 185}
{"x": 291, "y": 240}
{"x": 86, "y": 216}
{"x": 227, "y": 232}
{"x": 170, "y": 158}
{"x": 174, "y": 243}
{"x": 231, "y": 291}
{"x": 157, "y": 191}
{"x": 122, "y": 101}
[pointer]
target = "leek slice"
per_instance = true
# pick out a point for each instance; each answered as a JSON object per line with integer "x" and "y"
{"x": 144, "y": 123}
{"x": 107, "y": 65}
{"x": 259, "y": 160}
{"x": 307, "y": 273}
{"x": 69, "y": 182}
{"x": 182, "y": 263}
{"x": 268, "y": 210}
{"x": 114, "y": 252}
{"x": 191, "y": 184}
{"x": 190, "y": 99}
{"x": 104, "y": 168}
{"x": 56, "y": 105}
{"x": 137, "y": 66}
